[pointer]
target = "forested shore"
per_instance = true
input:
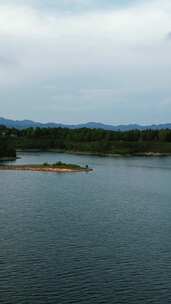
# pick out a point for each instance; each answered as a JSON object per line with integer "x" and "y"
{"x": 7, "y": 145}
{"x": 93, "y": 141}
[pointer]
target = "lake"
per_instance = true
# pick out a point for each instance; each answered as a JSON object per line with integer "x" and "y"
{"x": 99, "y": 237}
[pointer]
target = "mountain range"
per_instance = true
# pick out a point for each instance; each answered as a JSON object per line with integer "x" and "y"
{"x": 23, "y": 124}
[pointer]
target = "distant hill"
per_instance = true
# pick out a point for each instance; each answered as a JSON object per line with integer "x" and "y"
{"x": 23, "y": 124}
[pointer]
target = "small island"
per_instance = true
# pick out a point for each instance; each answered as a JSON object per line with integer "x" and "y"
{"x": 58, "y": 167}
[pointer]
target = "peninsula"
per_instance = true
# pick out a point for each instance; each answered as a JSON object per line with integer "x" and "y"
{"x": 58, "y": 167}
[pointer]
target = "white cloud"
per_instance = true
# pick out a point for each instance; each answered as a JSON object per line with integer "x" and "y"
{"x": 126, "y": 47}
{"x": 47, "y": 42}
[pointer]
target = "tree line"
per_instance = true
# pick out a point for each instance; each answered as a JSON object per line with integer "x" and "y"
{"x": 86, "y": 140}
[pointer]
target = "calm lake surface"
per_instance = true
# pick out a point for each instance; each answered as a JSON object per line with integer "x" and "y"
{"x": 100, "y": 237}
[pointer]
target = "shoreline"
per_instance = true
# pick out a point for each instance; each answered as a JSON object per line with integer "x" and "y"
{"x": 4, "y": 159}
{"x": 139, "y": 154}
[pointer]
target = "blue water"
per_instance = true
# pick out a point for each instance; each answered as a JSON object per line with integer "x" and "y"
{"x": 100, "y": 237}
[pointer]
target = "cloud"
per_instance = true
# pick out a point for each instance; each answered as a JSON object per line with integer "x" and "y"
{"x": 168, "y": 36}
{"x": 51, "y": 41}
{"x": 73, "y": 6}
{"x": 95, "y": 52}
{"x": 6, "y": 62}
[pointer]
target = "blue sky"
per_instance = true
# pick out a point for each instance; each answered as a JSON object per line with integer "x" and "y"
{"x": 74, "y": 61}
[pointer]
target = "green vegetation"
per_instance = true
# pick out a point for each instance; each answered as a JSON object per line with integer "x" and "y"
{"x": 62, "y": 166}
{"x": 7, "y": 147}
{"x": 94, "y": 141}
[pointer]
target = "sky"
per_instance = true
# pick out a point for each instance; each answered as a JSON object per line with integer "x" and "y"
{"x": 74, "y": 61}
